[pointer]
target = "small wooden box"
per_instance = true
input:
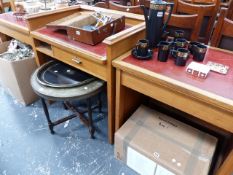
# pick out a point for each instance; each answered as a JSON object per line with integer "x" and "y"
{"x": 74, "y": 26}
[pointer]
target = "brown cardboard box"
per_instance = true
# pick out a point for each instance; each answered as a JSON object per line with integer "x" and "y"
{"x": 15, "y": 76}
{"x": 152, "y": 143}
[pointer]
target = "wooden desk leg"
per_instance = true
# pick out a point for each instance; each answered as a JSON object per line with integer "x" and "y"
{"x": 119, "y": 101}
{"x": 111, "y": 90}
{"x": 227, "y": 166}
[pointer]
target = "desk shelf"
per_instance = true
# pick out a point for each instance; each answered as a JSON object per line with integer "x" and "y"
{"x": 45, "y": 49}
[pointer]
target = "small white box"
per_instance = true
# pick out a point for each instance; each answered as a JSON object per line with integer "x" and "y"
{"x": 198, "y": 69}
{"x": 217, "y": 67}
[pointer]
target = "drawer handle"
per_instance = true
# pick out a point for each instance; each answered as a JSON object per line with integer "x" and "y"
{"x": 77, "y": 60}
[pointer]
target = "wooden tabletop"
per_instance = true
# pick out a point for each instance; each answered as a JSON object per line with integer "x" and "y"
{"x": 215, "y": 85}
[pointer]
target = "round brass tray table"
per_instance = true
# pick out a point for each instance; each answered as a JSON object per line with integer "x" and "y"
{"x": 83, "y": 92}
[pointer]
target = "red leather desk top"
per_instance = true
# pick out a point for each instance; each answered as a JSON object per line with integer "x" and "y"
{"x": 215, "y": 83}
{"x": 99, "y": 49}
{"x": 9, "y": 17}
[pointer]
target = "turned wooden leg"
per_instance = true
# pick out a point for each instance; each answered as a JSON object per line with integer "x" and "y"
{"x": 47, "y": 116}
{"x": 89, "y": 111}
{"x": 64, "y": 106}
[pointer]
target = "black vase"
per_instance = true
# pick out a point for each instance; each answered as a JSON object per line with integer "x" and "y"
{"x": 154, "y": 17}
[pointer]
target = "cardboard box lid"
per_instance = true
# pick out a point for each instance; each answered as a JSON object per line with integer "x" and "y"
{"x": 177, "y": 146}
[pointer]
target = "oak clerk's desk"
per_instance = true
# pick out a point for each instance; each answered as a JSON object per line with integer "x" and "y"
{"x": 210, "y": 100}
{"x": 96, "y": 60}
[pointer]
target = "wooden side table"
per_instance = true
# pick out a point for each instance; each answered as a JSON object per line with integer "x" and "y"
{"x": 83, "y": 92}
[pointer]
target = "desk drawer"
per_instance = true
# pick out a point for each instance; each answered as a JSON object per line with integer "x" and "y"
{"x": 79, "y": 62}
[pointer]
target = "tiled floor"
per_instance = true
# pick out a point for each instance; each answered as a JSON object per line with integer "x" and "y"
{"x": 28, "y": 148}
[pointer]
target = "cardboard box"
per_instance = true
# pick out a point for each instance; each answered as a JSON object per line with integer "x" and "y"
{"x": 15, "y": 77}
{"x": 152, "y": 143}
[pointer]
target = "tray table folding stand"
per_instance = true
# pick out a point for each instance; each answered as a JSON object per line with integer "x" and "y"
{"x": 66, "y": 94}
